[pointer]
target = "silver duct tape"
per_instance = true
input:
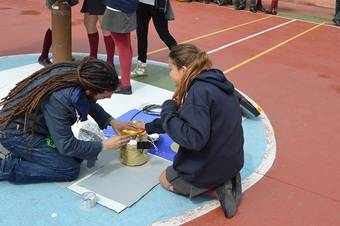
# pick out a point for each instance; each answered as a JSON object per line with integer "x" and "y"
{"x": 88, "y": 200}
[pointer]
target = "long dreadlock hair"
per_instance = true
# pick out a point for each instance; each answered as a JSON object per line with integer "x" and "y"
{"x": 89, "y": 74}
{"x": 195, "y": 61}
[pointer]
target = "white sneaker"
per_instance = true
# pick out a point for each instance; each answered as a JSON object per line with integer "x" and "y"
{"x": 140, "y": 70}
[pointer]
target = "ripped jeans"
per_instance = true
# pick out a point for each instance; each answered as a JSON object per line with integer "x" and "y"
{"x": 32, "y": 160}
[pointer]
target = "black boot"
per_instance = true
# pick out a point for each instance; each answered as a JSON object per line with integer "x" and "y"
{"x": 123, "y": 90}
{"x": 44, "y": 62}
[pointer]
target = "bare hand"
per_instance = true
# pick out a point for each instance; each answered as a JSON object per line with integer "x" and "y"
{"x": 115, "y": 142}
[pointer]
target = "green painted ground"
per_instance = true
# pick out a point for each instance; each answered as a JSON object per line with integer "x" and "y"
{"x": 304, "y": 17}
{"x": 158, "y": 76}
{"x": 291, "y": 14}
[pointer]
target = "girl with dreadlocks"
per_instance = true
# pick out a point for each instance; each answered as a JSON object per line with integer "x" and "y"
{"x": 204, "y": 118}
{"x": 37, "y": 115}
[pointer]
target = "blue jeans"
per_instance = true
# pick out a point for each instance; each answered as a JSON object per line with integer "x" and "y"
{"x": 32, "y": 160}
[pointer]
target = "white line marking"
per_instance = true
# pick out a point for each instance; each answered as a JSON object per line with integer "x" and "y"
{"x": 249, "y": 37}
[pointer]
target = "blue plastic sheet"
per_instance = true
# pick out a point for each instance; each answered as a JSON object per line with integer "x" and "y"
{"x": 163, "y": 144}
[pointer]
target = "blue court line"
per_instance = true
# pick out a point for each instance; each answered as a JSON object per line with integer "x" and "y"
{"x": 8, "y": 62}
{"x": 13, "y": 61}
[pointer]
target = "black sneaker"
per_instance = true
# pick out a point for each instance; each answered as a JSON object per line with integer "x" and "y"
{"x": 236, "y": 5}
{"x": 227, "y": 199}
{"x": 252, "y": 9}
{"x": 125, "y": 91}
{"x": 44, "y": 62}
{"x": 261, "y": 9}
{"x": 273, "y": 12}
{"x": 242, "y": 6}
{"x": 336, "y": 22}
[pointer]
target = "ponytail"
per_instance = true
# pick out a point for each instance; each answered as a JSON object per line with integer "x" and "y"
{"x": 195, "y": 61}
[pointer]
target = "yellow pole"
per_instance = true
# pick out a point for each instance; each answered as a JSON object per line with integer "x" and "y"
{"x": 61, "y": 32}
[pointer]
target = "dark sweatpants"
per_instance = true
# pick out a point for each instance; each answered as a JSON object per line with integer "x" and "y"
{"x": 337, "y": 10}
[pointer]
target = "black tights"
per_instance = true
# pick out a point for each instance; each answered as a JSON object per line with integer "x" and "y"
{"x": 144, "y": 14}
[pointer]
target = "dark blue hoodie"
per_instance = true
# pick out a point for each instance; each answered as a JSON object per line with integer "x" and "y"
{"x": 208, "y": 129}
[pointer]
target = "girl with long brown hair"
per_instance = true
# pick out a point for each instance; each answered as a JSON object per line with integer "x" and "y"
{"x": 37, "y": 115}
{"x": 204, "y": 118}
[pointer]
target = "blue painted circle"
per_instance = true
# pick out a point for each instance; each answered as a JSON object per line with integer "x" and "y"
{"x": 50, "y": 204}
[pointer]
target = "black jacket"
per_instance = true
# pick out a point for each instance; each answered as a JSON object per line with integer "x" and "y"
{"x": 208, "y": 129}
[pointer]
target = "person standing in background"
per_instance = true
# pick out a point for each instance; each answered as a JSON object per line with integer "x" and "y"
{"x": 336, "y": 18}
{"x": 241, "y": 5}
{"x": 161, "y": 12}
{"x": 271, "y": 10}
{"x": 120, "y": 19}
{"x": 93, "y": 11}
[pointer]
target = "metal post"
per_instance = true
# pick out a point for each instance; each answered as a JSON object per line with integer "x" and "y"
{"x": 61, "y": 32}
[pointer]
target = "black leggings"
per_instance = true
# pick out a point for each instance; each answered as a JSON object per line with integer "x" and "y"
{"x": 144, "y": 13}
{"x": 337, "y": 10}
